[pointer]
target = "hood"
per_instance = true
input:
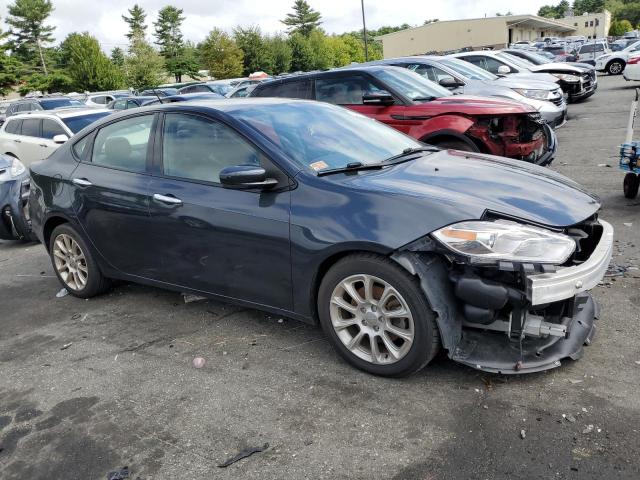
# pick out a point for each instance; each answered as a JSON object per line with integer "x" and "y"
{"x": 472, "y": 105}
{"x": 539, "y": 77}
{"x": 557, "y": 67}
{"x": 469, "y": 185}
{"x": 5, "y": 161}
{"x": 517, "y": 81}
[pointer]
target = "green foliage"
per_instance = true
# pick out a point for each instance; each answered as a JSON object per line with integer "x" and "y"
{"x": 304, "y": 19}
{"x": 29, "y": 33}
{"x": 143, "y": 67}
{"x": 620, "y": 27}
{"x": 557, "y": 11}
{"x": 117, "y": 56}
{"x": 136, "y": 19}
{"x": 257, "y": 54}
{"x": 280, "y": 53}
{"x": 169, "y": 38}
{"x": 321, "y": 51}
{"x": 302, "y": 57}
{"x": 87, "y": 66}
{"x": 587, "y": 6}
{"x": 629, "y": 11}
{"x": 54, "y": 82}
{"x": 221, "y": 55}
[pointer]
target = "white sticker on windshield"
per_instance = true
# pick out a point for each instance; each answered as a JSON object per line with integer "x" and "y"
{"x": 317, "y": 166}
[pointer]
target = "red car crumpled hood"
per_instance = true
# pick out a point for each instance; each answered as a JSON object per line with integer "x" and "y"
{"x": 471, "y": 105}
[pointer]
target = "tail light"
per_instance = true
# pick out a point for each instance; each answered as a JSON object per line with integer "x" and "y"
{"x": 633, "y": 61}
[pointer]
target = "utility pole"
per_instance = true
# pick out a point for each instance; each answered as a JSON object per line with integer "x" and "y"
{"x": 364, "y": 31}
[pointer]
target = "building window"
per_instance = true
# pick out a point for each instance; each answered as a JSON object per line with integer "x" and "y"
{"x": 591, "y": 23}
{"x": 597, "y": 22}
{"x": 586, "y": 24}
{"x": 575, "y": 24}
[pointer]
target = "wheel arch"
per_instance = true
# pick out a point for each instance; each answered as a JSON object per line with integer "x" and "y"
{"x": 441, "y": 135}
{"x": 49, "y": 226}
{"x": 619, "y": 60}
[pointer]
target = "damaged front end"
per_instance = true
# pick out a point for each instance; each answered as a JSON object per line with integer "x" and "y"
{"x": 509, "y": 316}
{"x": 14, "y": 194}
{"x": 524, "y": 137}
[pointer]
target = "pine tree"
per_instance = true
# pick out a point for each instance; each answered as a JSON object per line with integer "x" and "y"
{"x": 257, "y": 55}
{"x": 169, "y": 39}
{"x": 221, "y": 55}
{"x": 136, "y": 19}
{"x": 303, "y": 19}
{"x": 143, "y": 67}
{"x": 117, "y": 56}
{"x": 301, "y": 53}
{"x": 28, "y": 30}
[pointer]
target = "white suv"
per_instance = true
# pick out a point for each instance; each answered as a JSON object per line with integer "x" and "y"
{"x": 34, "y": 136}
{"x": 614, "y": 63}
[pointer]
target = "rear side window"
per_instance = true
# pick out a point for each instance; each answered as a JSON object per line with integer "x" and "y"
{"x": 13, "y": 126}
{"x": 24, "y": 107}
{"x": 300, "y": 89}
{"x": 120, "y": 105}
{"x": 587, "y": 49}
{"x": 51, "y": 128}
{"x": 100, "y": 100}
{"x": 80, "y": 146}
{"x": 344, "y": 90}
{"x": 124, "y": 144}
{"x": 31, "y": 127}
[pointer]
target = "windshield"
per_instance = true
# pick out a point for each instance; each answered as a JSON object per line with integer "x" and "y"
{"x": 221, "y": 88}
{"x": 324, "y": 137}
{"x": 76, "y": 124}
{"x": 537, "y": 58}
{"x": 467, "y": 69}
{"x": 59, "y": 103}
{"x": 633, "y": 46}
{"x": 520, "y": 62}
{"x": 410, "y": 84}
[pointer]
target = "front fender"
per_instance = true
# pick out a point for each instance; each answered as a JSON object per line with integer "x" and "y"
{"x": 435, "y": 126}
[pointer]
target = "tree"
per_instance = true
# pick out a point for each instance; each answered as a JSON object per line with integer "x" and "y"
{"x": 117, "y": 56}
{"x": 187, "y": 64}
{"x": 587, "y": 6}
{"x": 257, "y": 54}
{"x": 9, "y": 67}
{"x": 620, "y": 27}
{"x": 136, "y": 19}
{"x": 303, "y": 19}
{"x": 322, "y": 53}
{"x": 143, "y": 67}
{"x": 28, "y": 30}
{"x": 630, "y": 12}
{"x": 54, "y": 81}
{"x": 558, "y": 11}
{"x": 87, "y": 66}
{"x": 301, "y": 53}
{"x": 221, "y": 55}
{"x": 280, "y": 53}
{"x": 169, "y": 39}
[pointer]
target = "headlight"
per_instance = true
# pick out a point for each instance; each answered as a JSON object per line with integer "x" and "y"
{"x": 503, "y": 240}
{"x": 567, "y": 77}
{"x": 535, "y": 94}
{"x": 17, "y": 168}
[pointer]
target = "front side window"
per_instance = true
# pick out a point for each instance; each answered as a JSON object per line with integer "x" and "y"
{"x": 299, "y": 89}
{"x": 344, "y": 90}
{"x": 100, "y": 100}
{"x": 195, "y": 148}
{"x": 51, "y": 128}
{"x": 78, "y": 122}
{"x": 430, "y": 72}
{"x": 410, "y": 85}
{"x": 467, "y": 69}
{"x": 119, "y": 105}
{"x": 123, "y": 144}
{"x": 31, "y": 127}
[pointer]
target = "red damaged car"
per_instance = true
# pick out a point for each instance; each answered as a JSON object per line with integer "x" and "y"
{"x": 425, "y": 110}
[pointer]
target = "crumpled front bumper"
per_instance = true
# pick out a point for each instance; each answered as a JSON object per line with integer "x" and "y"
{"x": 14, "y": 222}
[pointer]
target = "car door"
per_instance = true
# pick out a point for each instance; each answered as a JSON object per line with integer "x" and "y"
{"x": 349, "y": 90}
{"x": 30, "y": 141}
{"x": 111, "y": 192}
{"x": 213, "y": 239}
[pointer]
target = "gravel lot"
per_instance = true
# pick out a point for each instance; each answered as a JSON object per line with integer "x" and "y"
{"x": 125, "y": 393}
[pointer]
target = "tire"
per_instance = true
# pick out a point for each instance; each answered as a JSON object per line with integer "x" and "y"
{"x": 82, "y": 266}
{"x": 404, "y": 293}
{"x": 630, "y": 185}
{"x": 454, "y": 144}
{"x": 615, "y": 67}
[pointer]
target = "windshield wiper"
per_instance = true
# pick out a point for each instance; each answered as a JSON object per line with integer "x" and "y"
{"x": 423, "y": 99}
{"x": 353, "y": 167}
{"x": 407, "y": 154}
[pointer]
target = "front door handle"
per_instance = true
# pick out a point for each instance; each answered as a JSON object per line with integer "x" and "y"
{"x": 43, "y": 145}
{"x": 168, "y": 199}
{"x": 18, "y": 141}
{"x": 82, "y": 182}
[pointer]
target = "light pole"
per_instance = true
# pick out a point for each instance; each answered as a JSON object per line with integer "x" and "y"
{"x": 364, "y": 31}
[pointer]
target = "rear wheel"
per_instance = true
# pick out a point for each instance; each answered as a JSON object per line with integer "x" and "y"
{"x": 74, "y": 264}
{"x": 453, "y": 144}
{"x": 377, "y": 317}
{"x": 630, "y": 185}
{"x": 615, "y": 68}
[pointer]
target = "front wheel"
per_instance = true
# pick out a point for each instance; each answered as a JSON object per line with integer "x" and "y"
{"x": 453, "y": 144}
{"x": 74, "y": 264}
{"x": 377, "y": 317}
{"x": 630, "y": 185}
{"x": 615, "y": 68}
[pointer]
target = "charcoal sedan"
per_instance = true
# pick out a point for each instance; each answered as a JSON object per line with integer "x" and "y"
{"x": 316, "y": 212}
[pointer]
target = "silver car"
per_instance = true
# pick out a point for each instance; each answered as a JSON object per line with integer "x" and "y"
{"x": 463, "y": 77}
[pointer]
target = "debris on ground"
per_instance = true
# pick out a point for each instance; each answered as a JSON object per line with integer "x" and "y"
{"x": 628, "y": 224}
{"x": 198, "y": 362}
{"x": 487, "y": 383}
{"x": 604, "y": 165}
{"x": 247, "y": 452}
{"x": 189, "y": 298}
{"x": 523, "y": 434}
{"x": 486, "y": 407}
{"x": 637, "y": 362}
{"x": 66, "y": 345}
{"x": 120, "y": 474}
{"x": 62, "y": 293}
{"x": 569, "y": 417}
{"x": 616, "y": 270}
{"x": 281, "y": 320}
{"x": 587, "y": 430}
{"x": 253, "y": 342}
{"x": 574, "y": 382}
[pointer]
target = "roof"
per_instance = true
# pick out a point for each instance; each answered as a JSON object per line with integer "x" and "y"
{"x": 61, "y": 113}
{"x": 532, "y": 21}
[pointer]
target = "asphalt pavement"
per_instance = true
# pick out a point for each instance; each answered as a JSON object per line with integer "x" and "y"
{"x": 90, "y": 387}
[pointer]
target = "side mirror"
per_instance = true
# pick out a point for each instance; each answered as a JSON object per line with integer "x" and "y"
{"x": 381, "y": 98}
{"x": 60, "y": 139}
{"x": 450, "y": 83}
{"x": 246, "y": 176}
{"x": 504, "y": 70}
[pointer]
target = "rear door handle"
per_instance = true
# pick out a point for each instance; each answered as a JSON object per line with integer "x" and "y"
{"x": 18, "y": 141}
{"x": 167, "y": 199}
{"x": 43, "y": 145}
{"x": 82, "y": 182}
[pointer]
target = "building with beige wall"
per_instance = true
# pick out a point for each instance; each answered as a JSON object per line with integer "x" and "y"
{"x": 490, "y": 32}
{"x": 592, "y": 25}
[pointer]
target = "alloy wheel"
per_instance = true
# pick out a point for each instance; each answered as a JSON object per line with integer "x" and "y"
{"x": 615, "y": 68}
{"x": 70, "y": 262}
{"x": 372, "y": 319}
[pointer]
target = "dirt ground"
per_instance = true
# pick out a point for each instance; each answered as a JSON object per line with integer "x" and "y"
{"x": 124, "y": 392}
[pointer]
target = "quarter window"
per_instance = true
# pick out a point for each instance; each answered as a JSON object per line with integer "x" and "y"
{"x": 13, "y": 126}
{"x": 119, "y": 105}
{"x": 345, "y": 90}
{"x": 300, "y": 89}
{"x": 195, "y": 148}
{"x": 124, "y": 144}
{"x": 51, "y": 128}
{"x": 31, "y": 127}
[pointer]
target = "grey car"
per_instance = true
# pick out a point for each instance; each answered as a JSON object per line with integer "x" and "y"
{"x": 462, "y": 77}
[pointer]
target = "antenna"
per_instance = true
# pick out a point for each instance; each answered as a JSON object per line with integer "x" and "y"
{"x": 156, "y": 94}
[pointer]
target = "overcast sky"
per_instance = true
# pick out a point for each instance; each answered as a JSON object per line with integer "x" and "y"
{"x": 102, "y": 18}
